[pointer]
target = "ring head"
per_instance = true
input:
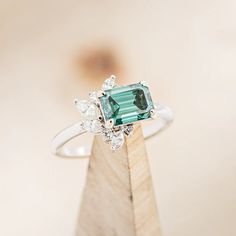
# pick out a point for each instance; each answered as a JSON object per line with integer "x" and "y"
{"x": 111, "y": 113}
{"x": 112, "y": 110}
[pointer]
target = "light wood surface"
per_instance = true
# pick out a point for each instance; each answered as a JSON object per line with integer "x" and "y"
{"x": 118, "y": 198}
{"x": 185, "y": 50}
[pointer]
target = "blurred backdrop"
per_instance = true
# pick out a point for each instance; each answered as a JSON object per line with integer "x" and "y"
{"x": 53, "y": 51}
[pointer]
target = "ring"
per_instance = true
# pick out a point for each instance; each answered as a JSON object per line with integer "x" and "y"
{"x": 112, "y": 112}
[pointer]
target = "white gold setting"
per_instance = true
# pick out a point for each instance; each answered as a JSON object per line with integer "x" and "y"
{"x": 92, "y": 117}
{"x": 93, "y": 121}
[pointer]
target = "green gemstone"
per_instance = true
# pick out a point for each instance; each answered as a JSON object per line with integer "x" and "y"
{"x": 127, "y": 104}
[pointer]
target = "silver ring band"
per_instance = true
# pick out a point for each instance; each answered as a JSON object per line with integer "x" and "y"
{"x": 62, "y": 138}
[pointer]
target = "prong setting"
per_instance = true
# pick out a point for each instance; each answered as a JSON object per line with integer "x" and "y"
{"x": 101, "y": 93}
{"x": 153, "y": 113}
{"x": 75, "y": 101}
{"x": 144, "y": 83}
{"x": 113, "y": 77}
{"x": 109, "y": 123}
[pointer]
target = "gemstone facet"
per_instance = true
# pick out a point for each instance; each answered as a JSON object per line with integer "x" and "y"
{"x": 127, "y": 104}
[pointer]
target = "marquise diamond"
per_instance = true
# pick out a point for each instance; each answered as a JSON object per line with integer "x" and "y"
{"x": 109, "y": 83}
{"x": 117, "y": 140}
{"x": 82, "y": 105}
{"x": 92, "y": 112}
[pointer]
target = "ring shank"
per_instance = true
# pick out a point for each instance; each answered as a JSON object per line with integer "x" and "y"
{"x": 58, "y": 144}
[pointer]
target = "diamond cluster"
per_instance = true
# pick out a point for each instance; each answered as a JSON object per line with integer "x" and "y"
{"x": 94, "y": 122}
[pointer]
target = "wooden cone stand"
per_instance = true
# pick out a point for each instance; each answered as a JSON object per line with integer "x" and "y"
{"x": 118, "y": 198}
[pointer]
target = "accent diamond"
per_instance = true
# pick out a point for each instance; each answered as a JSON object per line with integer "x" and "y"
{"x": 96, "y": 126}
{"x": 92, "y": 112}
{"x": 82, "y": 105}
{"x": 93, "y": 96}
{"x": 107, "y": 135}
{"x": 109, "y": 83}
{"x": 117, "y": 140}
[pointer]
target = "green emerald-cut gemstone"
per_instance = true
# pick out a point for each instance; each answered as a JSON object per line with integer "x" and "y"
{"x": 127, "y": 104}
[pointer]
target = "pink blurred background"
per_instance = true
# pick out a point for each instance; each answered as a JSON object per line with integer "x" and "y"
{"x": 54, "y": 51}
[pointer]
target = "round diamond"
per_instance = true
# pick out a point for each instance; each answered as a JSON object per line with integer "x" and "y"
{"x": 117, "y": 140}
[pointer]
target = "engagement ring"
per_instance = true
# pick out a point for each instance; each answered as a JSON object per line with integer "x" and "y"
{"x": 112, "y": 112}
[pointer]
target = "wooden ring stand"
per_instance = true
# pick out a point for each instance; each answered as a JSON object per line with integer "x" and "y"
{"x": 118, "y": 198}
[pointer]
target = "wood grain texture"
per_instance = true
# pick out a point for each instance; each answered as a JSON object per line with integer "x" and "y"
{"x": 118, "y": 198}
